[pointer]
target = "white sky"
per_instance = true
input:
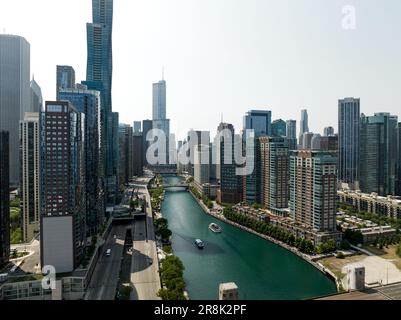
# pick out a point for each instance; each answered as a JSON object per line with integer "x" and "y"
{"x": 225, "y": 56}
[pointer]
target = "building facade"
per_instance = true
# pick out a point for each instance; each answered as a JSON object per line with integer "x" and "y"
{"x": 65, "y": 79}
{"x": 274, "y": 160}
{"x": 125, "y": 166}
{"x": 88, "y": 102}
{"x": 292, "y": 134}
{"x": 137, "y": 154}
{"x": 36, "y": 97}
{"x": 348, "y": 140}
{"x": 62, "y": 186}
{"x": 398, "y": 178}
{"x": 30, "y": 175}
{"x": 147, "y": 126}
{"x": 279, "y": 128}
{"x": 201, "y": 165}
{"x": 4, "y": 198}
{"x": 378, "y": 154}
{"x": 313, "y": 189}
{"x": 15, "y": 98}
{"x": 304, "y": 125}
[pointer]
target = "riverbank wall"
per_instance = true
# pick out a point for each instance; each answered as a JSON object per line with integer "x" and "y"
{"x": 307, "y": 258}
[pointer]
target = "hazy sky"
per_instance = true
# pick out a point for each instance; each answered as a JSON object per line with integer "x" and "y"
{"x": 225, "y": 56}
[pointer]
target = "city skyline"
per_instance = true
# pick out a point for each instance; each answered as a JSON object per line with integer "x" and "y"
{"x": 201, "y": 54}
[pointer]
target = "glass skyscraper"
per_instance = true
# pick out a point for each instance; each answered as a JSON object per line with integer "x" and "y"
{"x": 378, "y": 154}
{"x": 88, "y": 103}
{"x": 348, "y": 140}
{"x": 100, "y": 68}
{"x": 4, "y": 198}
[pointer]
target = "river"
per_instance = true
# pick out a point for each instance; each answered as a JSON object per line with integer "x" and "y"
{"x": 261, "y": 269}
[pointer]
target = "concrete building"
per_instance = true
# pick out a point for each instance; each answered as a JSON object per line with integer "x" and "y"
{"x": 313, "y": 189}
{"x": 65, "y": 78}
{"x": 62, "y": 186}
{"x": 349, "y": 140}
{"x": 378, "y": 154}
{"x": 274, "y": 171}
{"x": 30, "y": 175}
{"x": 228, "y": 291}
{"x": 15, "y": 98}
{"x": 4, "y": 198}
{"x": 307, "y": 140}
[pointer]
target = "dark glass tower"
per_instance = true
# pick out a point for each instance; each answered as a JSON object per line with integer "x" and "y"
{"x": 99, "y": 71}
{"x": 4, "y": 198}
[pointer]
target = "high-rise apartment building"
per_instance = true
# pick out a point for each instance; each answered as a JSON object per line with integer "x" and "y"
{"x": 30, "y": 175}
{"x": 378, "y": 154}
{"x": 348, "y": 140}
{"x": 65, "y": 79}
{"x": 36, "y": 97}
{"x": 15, "y": 98}
{"x": 274, "y": 161}
{"x": 313, "y": 189}
{"x": 62, "y": 186}
{"x": 4, "y": 198}
{"x": 292, "y": 134}
{"x": 88, "y": 102}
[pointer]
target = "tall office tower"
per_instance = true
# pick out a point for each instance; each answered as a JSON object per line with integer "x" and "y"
{"x": 348, "y": 140}
{"x": 316, "y": 142}
{"x": 274, "y": 172}
{"x": 328, "y": 131}
{"x": 195, "y": 139}
{"x": 226, "y": 166}
{"x": 279, "y": 128}
{"x": 147, "y": 126}
{"x": 137, "y": 151}
{"x": 378, "y": 153}
{"x": 137, "y": 126}
{"x": 313, "y": 189}
{"x": 159, "y": 117}
{"x": 14, "y": 93}
{"x": 65, "y": 79}
{"x": 112, "y": 183}
{"x": 212, "y": 162}
{"x": 62, "y": 186}
{"x": 88, "y": 102}
{"x": 29, "y": 185}
{"x": 36, "y": 97}
{"x": 99, "y": 74}
{"x": 125, "y": 167}
{"x": 398, "y": 184}
{"x": 292, "y": 134}
{"x": 304, "y": 125}
{"x": 4, "y": 198}
{"x": 260, "y": 122}
{"x": 201, "y": 169}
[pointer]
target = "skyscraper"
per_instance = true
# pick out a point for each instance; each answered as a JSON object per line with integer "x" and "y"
{"x": 279, "y": 128}
{"x": 274, "y": 172}
{"x": 36, "y": 97}
{"x": 292, "y": 134}
{"x": 65, "y": 78}
{"x": 125, "y": 167}
{"x": 201, "y": 168}
{"x": 99, "y": 75}
{"x": 88, "y": 102}
{"x": 398, "y": 178}
{"x": 29, "y": 185}
{"x": 348, "y": 140}
{"x": 15, "y": 97}
{"x": 160, "y": 120}
{"x": 137, "y": 151}
{"x": 328, "y": 131}
{"x": 226, "y": 166}
{"x": 378, "y": 154}
{"x": 313, "y": 189}
{"x": 260, "y": 122}
{"x": 137, "y": 126}
{"x": 62, "y": 191}
{"x": 147, "y": 126}
{"x": 4, "y": 198}
{"x": 304, "y": 125}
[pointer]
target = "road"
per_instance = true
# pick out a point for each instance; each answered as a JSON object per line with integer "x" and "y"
{"x": 145, "y": 267}
{"x": 104, "y": 281}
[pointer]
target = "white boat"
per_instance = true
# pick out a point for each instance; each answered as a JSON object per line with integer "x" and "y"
{"x": 215, "y": 228}
{"x": 199, "y": 243}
